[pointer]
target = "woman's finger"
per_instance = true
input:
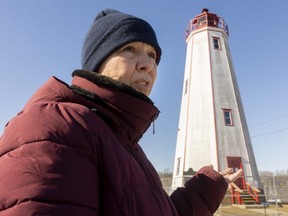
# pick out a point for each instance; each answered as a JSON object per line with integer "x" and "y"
{"x": 226, "y": 171}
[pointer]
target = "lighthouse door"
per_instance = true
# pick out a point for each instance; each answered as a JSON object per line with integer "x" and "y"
{"x": 236, "y": 163}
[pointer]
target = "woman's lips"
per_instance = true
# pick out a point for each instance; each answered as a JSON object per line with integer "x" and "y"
{"x": 142, "y": 86}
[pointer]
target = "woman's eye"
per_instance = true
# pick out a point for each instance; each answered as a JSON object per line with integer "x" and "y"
{"x": 152, "y": 55}
{"x": 129, "y": 49}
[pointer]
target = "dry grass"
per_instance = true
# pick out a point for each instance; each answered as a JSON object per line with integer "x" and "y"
{"x": 238, "y": 211}
{"x": 231, "y": 210}
{"x": 282, "y": 208}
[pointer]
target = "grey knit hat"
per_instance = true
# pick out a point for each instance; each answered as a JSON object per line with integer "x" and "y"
{"x": 111, "y": 30}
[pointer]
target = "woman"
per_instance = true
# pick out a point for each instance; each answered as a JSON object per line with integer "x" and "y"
{"x": 73, "y": 150}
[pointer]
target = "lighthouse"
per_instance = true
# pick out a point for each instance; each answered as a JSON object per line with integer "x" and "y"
{"x": 212, "y": 126}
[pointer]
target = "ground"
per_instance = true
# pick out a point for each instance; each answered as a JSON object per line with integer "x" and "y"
{"x": 237, "y": 211}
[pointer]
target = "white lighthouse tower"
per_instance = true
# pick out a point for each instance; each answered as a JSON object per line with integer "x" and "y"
{"x": 212, "y": 125}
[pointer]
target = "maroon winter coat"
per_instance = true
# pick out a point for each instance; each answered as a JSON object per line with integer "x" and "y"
{"x": 73, "y": 150}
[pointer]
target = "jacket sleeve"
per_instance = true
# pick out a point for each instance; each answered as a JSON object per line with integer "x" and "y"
{"x": 201, "y": 195}
{"x": 47, "y": 167}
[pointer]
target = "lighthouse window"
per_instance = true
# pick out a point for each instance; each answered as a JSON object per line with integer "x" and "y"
{"x": 216, "y": 43}
{"x": 178, "y": 166}
{"x": 202, "y": 21}
{"x": 228, "y": 117}
{"x": 186, "y": 86}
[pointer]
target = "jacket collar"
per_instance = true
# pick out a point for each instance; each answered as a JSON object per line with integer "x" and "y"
{"x": 128, "y": 112}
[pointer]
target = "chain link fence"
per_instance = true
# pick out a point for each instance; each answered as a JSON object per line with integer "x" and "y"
{"x": 268, "y": 208}
{"x": 274, "y": 201}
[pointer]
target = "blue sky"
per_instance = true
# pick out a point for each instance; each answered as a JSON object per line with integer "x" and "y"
{"x": 39, "y": 39}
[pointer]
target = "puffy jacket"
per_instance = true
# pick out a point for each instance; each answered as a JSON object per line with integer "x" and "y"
{"x": 73, "y": 150}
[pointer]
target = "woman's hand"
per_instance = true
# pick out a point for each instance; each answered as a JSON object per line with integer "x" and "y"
{"x": 229, "y": 176}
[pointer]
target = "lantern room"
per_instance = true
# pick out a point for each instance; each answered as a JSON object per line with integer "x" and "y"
{"x": 206, "y": 19}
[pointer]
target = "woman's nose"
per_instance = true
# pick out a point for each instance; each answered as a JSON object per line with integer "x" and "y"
{"x": 145, "y": 63}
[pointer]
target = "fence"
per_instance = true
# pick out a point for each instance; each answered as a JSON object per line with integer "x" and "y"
{"x": 268, "y": 208}
{"x": 275, "y": 199}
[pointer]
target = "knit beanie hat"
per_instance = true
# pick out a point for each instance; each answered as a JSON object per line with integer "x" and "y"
{"x": 111, "y": 30}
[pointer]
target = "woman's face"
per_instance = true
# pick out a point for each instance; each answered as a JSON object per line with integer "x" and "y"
{"x": 133, "y": 64}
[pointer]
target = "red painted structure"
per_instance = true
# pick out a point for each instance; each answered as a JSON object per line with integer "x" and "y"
{"x": 206, "y": 19}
